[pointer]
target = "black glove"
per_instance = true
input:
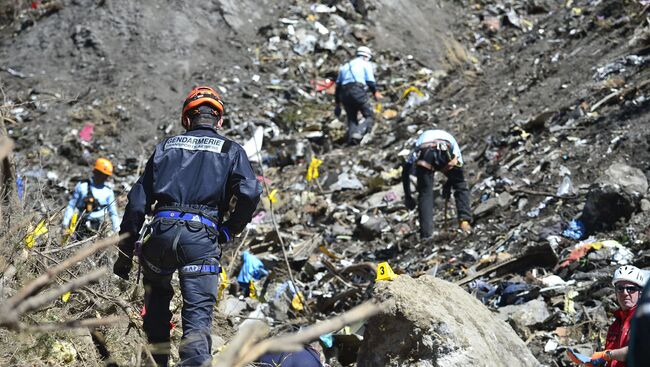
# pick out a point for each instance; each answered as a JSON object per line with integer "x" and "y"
{"x": 409, "y": 202}
{"x": 122, "y": 266}
{"x": 337, "y": 111}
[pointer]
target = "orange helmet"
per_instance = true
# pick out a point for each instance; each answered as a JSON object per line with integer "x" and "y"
{"x": 200, "y": 96}
{"x": 104, "y": 166}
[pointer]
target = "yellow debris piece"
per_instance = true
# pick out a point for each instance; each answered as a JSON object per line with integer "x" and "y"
{"x": 252, "y": 292}
{"x": 385, "y": 272}
{"x": 389, "y": 114}
{"x": 312, "y": 170}
{"x": 272, "y": 197}
{"x": 569, "y": 304}
{"x": 412, "y": 90}
{"x": 66, "y": 296}
{"x": 296, "y": 302}
{"x": 223, "y": 284}
{"x": 40, "y": 230}
{"x": 378, "y": 107}
{"x": 71, "y": 228}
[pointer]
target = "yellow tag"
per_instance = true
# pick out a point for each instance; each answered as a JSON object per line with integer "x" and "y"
{"x": 312, "y": 170}
{"x": 272, "y": 197}
{"x": 378, "y": 107}
{"x": 412, "y": 89}
{"x": 296, "y": 303}
{"x": 384, "y": 272}
{"x": 223, "y": 284}
{"x": 71, "y": 228}
{"x": 41, "y": 229}
{"x": 65, "y": 297}
{"x": 252, "y": 292}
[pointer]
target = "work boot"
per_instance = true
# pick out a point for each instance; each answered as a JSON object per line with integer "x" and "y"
{"x": 465, "y": 227}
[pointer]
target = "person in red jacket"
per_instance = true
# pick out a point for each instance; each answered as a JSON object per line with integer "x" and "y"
{"x": 628, "y": 282}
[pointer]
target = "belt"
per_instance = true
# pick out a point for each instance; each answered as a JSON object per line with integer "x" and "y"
{"x": 354, "y": 84}
{"x": 187, "y": 269}
{"x": 185, "y": 216}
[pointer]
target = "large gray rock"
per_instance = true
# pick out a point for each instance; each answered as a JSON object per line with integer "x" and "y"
{"x": 431, "y": 322}
{"x": 630, "y": 179}
{"x": 615, "y": 196}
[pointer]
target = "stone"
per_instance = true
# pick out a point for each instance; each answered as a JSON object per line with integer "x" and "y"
{"x": 630, "y": 179}
{"x": 645, "y": 205}
{"x": 431, "y": 322}
{"x": 232, "y": 306}
{"x": 526, "y": 314}
{"x": 605, "y": 205}
{"x": 486, "y": 207}
{"x": 370, "y": 227}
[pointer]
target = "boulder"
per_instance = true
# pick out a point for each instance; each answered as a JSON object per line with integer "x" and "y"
{"x": 431, "y": 322}
{"x": 630, "y": 179}
{"x": 616, "y": 195}
{"x": 605, "y": 205}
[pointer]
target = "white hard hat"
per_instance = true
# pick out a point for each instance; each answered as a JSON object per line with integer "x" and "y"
{"x": 364, "y": 51}
{"x": 631, "y": 274}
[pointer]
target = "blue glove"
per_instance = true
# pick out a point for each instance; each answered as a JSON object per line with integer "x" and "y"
{"x": 337, "y": 111}
{"x": 252, "y": 268}
{"x": 224, "y": 234}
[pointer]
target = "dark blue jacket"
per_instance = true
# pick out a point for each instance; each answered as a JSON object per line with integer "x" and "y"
{"x": 199, "y": 169}
{"x": 304, "y": 358}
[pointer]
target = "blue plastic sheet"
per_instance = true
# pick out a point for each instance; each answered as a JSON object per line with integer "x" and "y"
{"x": 575, "y": 230}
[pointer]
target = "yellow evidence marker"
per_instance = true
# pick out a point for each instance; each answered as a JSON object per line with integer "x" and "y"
{"x": 384, "y": 272}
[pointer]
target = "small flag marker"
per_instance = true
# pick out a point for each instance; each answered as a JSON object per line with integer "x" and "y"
{"x": 384, "y": 272}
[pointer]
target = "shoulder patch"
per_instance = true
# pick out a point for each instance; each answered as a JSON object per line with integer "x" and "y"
{"x": 204, "y": 143}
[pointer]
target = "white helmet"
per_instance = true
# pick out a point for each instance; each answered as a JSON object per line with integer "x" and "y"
{"x": 364, "y": 51}
{"x": 631, "y": 274}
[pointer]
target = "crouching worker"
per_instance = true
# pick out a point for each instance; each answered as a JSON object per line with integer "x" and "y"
{"x": 306, "y": 357}
{"x": 93, "y": 199}
{"x": 436, "y": 150}
{"x": 628, "y": 282}
{"x": 191, "y": 179}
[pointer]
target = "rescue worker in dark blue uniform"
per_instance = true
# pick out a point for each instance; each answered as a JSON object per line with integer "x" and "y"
{"x": 306, "y": 357}
{"x": 191, "y": 179}
{"x": 436, "y": 150}
{"x": 352, "y": 84}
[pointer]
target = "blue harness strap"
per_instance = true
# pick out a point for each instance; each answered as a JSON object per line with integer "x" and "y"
{"x": 185, "y": 270}
{"x": 186, "y": 216}
{"x": 201, "y": 269}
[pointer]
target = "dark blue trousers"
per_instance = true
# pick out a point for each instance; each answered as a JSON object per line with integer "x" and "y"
{"x": 192, "y": 249}
{"x": 456, "y": 181}
{"x": 355, "y": 99}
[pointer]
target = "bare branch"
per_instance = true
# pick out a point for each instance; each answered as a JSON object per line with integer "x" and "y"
{"x": 6, "y": 145}
{"x": 73, "y": 324}
{"x": 242, "y": 350}
{"x": 33, "y": 303}
{"x": 45, "y": 278}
